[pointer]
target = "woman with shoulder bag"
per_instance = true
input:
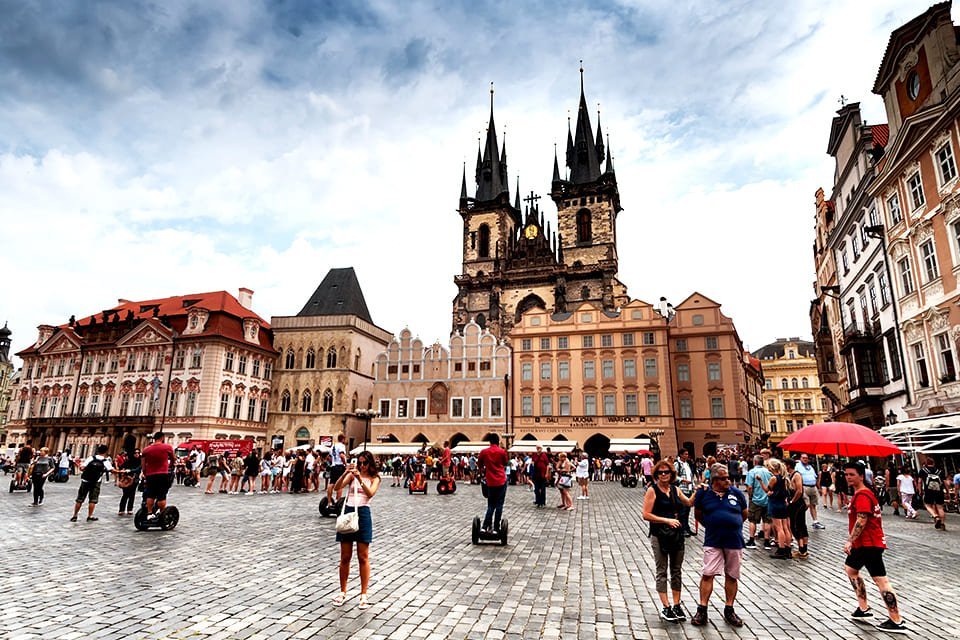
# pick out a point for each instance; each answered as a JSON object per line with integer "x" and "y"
{"x": 661, "y": 506}
{"x": 127, "y": 479}
{"x": 564, "y": 481}
{"x": 361, "y": 481}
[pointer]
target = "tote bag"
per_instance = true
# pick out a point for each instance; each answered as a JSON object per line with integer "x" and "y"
{"x": 349, "y": 522}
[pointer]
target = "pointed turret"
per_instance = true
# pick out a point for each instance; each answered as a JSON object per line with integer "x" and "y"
{"x": 585, "y": 165}
{"x": 463, "y": 188}
{"x": 600, "y": 149}
{"x": 492, "y": 177}
{"x": 516, "y": 203}
{"x": 609, "y": 168}
{"x": 556, "y": 166}
{"x": 571, "y": 155}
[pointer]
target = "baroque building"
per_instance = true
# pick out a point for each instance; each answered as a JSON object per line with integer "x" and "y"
{"x": 196, "y": 366}
{"x": 325, "y": 371}
{"x": 792, "y": 390}
{"x": 6, "y": 379}
{"x": 515, "y": 260}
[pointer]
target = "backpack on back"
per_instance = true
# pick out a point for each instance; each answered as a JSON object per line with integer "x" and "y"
{"x": 933, "y": 481}
{"x": 93, "y": 471}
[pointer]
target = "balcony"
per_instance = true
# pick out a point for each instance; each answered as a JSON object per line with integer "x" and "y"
{"x": 859, "y": 332}
{"x": 92, "y": 421}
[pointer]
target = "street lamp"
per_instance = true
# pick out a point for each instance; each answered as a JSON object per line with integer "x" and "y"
{"x": 367, "y": 415}
{"x": 655, "y": 435}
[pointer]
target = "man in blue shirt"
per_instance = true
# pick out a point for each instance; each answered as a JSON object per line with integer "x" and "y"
{"x": 756, "y": 479}
{"x": 721, "y": 509}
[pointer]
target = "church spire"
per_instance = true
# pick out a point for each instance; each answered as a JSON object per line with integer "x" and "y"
{"x": 492, "y": 174}
{"x": 584, "y": 163}
{"x": 556, "y": 165}
{"x": 516, "y": 204}
{"x": 600, "y": 149}
{"x": 463, "y": 186}
{"x": 609, "y": 168}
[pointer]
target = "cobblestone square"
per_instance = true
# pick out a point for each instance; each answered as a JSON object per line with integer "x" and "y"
{"x": 265, "y": 566}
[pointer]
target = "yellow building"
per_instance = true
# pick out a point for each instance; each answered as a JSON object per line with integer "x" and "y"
{"x": 792, "y": 397}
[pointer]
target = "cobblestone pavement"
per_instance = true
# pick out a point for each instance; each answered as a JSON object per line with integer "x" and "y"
{"x": 264, "y": 566}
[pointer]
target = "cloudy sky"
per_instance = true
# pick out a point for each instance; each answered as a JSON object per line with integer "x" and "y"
{"x": 153, "y": 148}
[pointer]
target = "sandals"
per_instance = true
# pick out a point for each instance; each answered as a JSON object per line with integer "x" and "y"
{"x": 340, "y": 598}
{"x": 364, "y": 603}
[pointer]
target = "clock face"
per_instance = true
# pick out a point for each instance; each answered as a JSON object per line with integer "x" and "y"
{"x": 913, "y": 85}
{"x": 531, "y": 231}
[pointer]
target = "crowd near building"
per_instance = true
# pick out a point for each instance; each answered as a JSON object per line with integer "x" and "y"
{"x": 887, "y": 252}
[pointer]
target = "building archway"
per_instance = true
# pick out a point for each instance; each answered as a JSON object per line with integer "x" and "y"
{"x": 559, "y": 438}
{"x": 457, "y": 438}
{"x": 597, "y": 445}
{"x": 302, "y": 436}
{"x": 532, "y": 301}
{"x": 529, "y": 437}
{"x": 389, "y": 438}
{"x": 710, "y": 448}
{"x": 422, "y": 439}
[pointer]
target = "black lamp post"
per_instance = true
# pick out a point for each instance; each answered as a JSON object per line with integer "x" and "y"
{"x": 367, "y": 415}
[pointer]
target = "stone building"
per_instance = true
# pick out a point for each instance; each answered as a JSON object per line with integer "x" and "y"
{"x": 792, "y": 393}
{"x": 514, "y": 259}
{"x": 6, "y": 378}
{"x": 196, "y": 366}
{"x": 590, "y": 375}
{"x": 325, "y": 372}
{"x": 436, "y": 393}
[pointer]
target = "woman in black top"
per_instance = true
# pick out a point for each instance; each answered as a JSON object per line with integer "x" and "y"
{"x": 661, "y": 506}
{"x": 826, "y": 486}
{"x": 40, "y": 470}
{"x": 128, "y": 477}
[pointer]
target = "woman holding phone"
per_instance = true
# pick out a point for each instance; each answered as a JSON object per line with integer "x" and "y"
{"x": 360, "y": 481}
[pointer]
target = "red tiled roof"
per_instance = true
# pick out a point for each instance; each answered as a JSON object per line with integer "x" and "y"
{"x": 881, "y": 134}
{"x": 179, "y": 305}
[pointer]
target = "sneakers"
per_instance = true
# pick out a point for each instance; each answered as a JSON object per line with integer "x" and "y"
{"x": 666, "y": 614}
{"x": 802, "y": 555}
{"x": 731, "y": 617}
{"x": 817, "y": 525}
{"x": 678, "y": 613}
{"x": 893, "y": 627}
{"x": 859, "y": 615}
{"x": 700, "y": 617}
{"x": 767, "y": 545}
{"x": 73, "y": 519}
{"x": 750, "y": 544}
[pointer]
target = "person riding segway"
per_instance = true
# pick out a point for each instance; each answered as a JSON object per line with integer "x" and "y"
{"x": 158, "y": 462}
{"x": 21, "y": 478}
{"x": 492, "y": 464}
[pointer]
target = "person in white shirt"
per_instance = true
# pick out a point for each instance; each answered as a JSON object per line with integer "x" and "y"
{"x": 582, "y": 474}
{"x": 685, "y": 479}
{"x": 907, "y": 487}
{"x": 338, "y": 454}
{"x": 310, "y": 478}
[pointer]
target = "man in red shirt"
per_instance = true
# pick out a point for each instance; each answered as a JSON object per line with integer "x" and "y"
{"x": 156, "y": 461}
{"x": 541, "y": 465}
{"x": 446, "y": 460}
{"x": 493, "y": 462}
{"x": 864, "y": 548}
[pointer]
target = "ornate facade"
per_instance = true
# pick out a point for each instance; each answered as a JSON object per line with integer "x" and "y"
{"x": 6, "y": 379}
{"x": 792, "y": 395}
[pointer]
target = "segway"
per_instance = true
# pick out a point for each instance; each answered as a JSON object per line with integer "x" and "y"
{"x": 446, "y": 486}
{"x": 166, "y": 519}
{"x": 330, "y": 508}
{"x": 479, "y": 534}
{"x": 418, "y": 484}
{"x": 62, "y": 475}
{"x": 630, "y": 481}
{"x": 26, "y": 485}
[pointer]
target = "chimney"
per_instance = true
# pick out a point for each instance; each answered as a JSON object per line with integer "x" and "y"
{"x": 246, "y": 298}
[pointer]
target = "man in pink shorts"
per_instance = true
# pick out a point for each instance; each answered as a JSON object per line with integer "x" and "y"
{"x": 721, "y": 509}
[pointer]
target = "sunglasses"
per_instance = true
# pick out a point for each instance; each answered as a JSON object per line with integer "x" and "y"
{"x": 664, "y": 472}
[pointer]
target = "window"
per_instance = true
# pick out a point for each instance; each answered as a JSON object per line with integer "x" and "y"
{"x": 331, "y": 358}
{"x": 130, "y": 366}
{"x": 384, "y": 407}
{"x": 195, "y": 360}
{"x": 584, "y": 226}
{"x": 544, "y": 344}
{"x": 609, "y": 404}
{"x": 607, "y": 369}
{"x": 771, "y": 405}
{"x": 81, "y": 406}
{"x": 328, "y": 401}
{"x": 403, "y": 406}
{"x": 456, "y": 408}
{"x": 931, "y": 270}
{"x": 945, "y": 164}
{"x": 587, "y": 342}
{"x": 653, "y": 404}
{"x": 563, "y": 342}
{"x": 252, "y": 410}
{"x": 787, "y": 404}
{"x": 589, "y": 370}
{"x": 496, "y": 407}
{"x": 893, "y": 206}
{"x": 628, "y": 339}
{"x": 101, "y": 366}
{"x": 546, "y": 370}
{"x": 255, "y": 372}
{"x": 563, "y": 405}
{"x": 267, "y": 370}
{"x": 872, "y": 290}
{"x": 228, "y": 361}
{"x": 855, "y": 245}
{"x": 716, "y": 407}
{"x": 789, "y": 425}
{"x": 526, "y": 371}
{"x": 606, "y": 340}
{"x": 895, "y": 367}
{"x": 630, "y": 404}
{"x": 526, "y": 344}
{"x": 306, "y": 402}
{"x": 546, "y": 405}
{"x": 483, "y": 250}
{"x": 920, "y": 365}
{"x": 263, "y": 411}
{"x": 563, "y": 369}
{"x": 686, "y": 408}
{"x": 310, "y": 362}
{"x": 784, "y": 383}
{"x": 873, "y": 221}
{"x": 420, "y": 408}
{"x": 590, "y": 405}
{"x": 805, "y": 383}
{"x": 476, "y": 407}
{"x": 648, "y": 338}
{"x": 713, "y": 371}
{"x": 290, "y": 361}
{"x": 138, "y": 404}
{"x": 915, "y": 187}
{"x": 843, "y": 258}
{"x": 87, "y": 366}
{"x": 94, "y": 405}
{"x": 284, "y": 401}
{"x": 629, "y": 368}
{"x": 107, "y": 405}
{"x": 649, "y": 367}
{"x": 242, "y": 365}
{"x": 768, "y": 384}
{"x": 794, "y": 384}
{"x": 682, "y": 344}
{"x": 807, "y": 404}
{"x": 906, "y": 275}
{"x": 683, "y": 372}
{"x": 526, "y": 405}
{"x": 884, "y": 290}
{"x": 948, "y": 371}
{"x": 773, "y": 426}
{"x": 237, "y": 406}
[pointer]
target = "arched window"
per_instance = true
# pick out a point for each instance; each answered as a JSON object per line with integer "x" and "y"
{"x": 328, "y": 401}
{"x": 306, "y": 402}
{"x": 794, "y": 383}
{"x": 804, "y": 383}
{"x": 285, "y": 401}
{"x": 484, "y": 250}
{"x": 584, "y": 226}
{"x": 784, "y": 384}
{"x": 303, "y": 433}
{"x": 311, "y": 360}
{"x": 356, "y": 360}
{"x": 353, "y": 402}
{"x": 331, "y": 358}
{"x": 289, "y": 361}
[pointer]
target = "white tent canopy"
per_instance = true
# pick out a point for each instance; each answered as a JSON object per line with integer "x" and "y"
{"x": 629, "y": 445}
{"x": 556, "y": 446}
{"x": 937, "y": 434}
{"x": 389, "y": 448}
{"x": 470, "y": 447}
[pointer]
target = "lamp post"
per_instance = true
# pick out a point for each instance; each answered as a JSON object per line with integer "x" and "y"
{"x": 367, "y": 415}
{"x": 655, "y": 435}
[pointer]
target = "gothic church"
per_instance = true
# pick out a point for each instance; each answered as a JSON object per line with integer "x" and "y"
{"x": 512, "y": 259}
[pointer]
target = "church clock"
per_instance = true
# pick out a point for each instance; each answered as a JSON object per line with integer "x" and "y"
{"x": 531, "y": 231}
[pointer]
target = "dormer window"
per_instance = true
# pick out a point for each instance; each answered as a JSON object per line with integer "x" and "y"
{"x": 913, "y": 85}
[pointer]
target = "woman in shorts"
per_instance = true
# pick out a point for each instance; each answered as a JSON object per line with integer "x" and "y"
{"x": 583, "y": 476}
{"x": 777, "y": 498}
{"x": 564, "y": 481}
{"x": 359, "y": 484}
{"x": 236, "y": 472}
{"x": 826, "y": 486}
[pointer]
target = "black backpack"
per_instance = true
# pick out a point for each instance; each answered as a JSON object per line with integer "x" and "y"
{"x": 93, "y": 471}
{"x": 933, "y": 481}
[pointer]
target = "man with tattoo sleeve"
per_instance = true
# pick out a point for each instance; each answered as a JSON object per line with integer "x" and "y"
{"x": 864, "y": 548}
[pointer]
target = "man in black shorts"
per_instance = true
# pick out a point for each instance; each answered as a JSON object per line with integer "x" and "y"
{"x": 157, "y": 461}
{"x": 864, "y": 548}
{"x": 931, "y": 490}
{"x": 24, "y": 458}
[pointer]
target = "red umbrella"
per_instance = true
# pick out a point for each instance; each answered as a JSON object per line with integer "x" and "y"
{"x": 644, "y": 452}
{"x": 840, "y": 439}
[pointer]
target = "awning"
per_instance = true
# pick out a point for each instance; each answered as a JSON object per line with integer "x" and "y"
{"x": 936, "y": 434}
{"x": 629, "y": 445}
{"x": 556, "y": 446}
{"x": 390, "y": 448}
{"x": 470, "y": 447}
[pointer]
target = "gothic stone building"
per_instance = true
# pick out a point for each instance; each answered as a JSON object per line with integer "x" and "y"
{"x": 514, "y": 261}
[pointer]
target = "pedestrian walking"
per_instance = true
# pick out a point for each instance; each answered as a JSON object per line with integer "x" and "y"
{"x": 91, "y": 471}
{"x": 128, "y": 477}
{"x": 932, "y": 492}
{"x": 797, "y": 510}
{"x": 540, "y": 464}
{"x": 864, "y": 548}
{"x": 41, "y": 468}
{"x": 777, "y": 497}
{"x": 583, "y": 476}
{"x": 722, "y": 509}
{"x": 685, "y": 478}
{"x": 811, "y": 488}
{"x": 907, "y": 488}
{"x": 661, "y": 508}
{"x": 361, "y": 481}
{"x": 826, "y": 486}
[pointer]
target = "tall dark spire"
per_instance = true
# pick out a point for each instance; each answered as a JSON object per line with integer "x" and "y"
{"x": 492, "y": 174}
{"x": 600, "y": 149}
{"x": 609, "y": 168}
{"x": 516, "y": 203}
{"x": 463, "y": 184}
{"x": 556, "y": 165}
{"x": 585, "y": 163}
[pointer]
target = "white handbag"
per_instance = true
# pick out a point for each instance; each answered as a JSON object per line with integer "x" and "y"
{"x": 349, "y": 522}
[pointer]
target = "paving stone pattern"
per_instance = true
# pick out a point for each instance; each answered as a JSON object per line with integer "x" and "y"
{"x": 265, "y": 566}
